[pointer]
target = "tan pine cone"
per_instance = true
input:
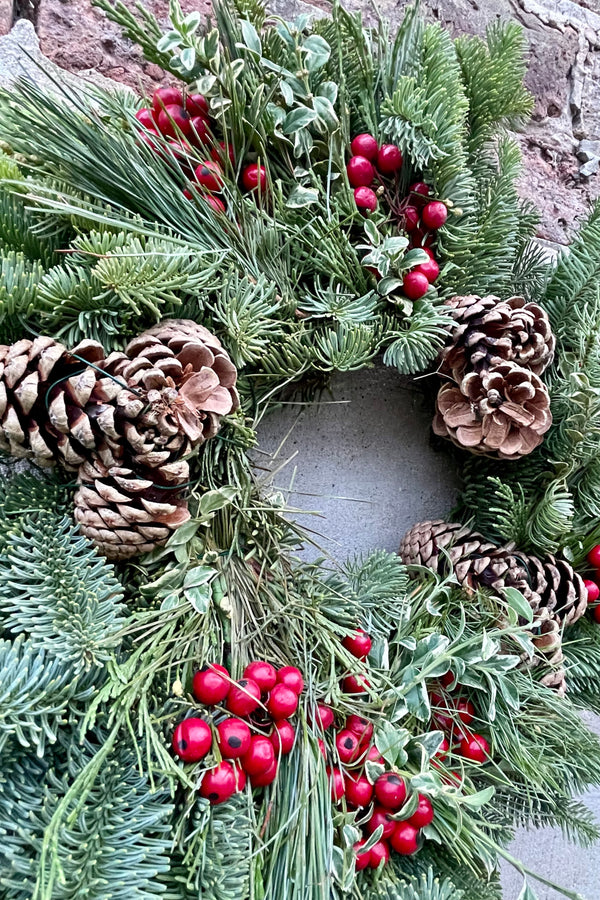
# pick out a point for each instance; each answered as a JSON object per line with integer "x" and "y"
{"x": 488, "y": 329}
{"x": 126, "y": 515}
{"x": 502, "y": 411}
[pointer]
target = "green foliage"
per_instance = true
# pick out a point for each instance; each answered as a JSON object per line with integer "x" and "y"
{"x": 19, "y": 280}
{"x": 425, "y": 887}
{"x": 415, "y": 346}
{"x": 24, "y": 495}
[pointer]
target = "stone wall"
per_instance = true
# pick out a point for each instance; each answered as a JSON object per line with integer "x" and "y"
{"x": 561, "y": 145}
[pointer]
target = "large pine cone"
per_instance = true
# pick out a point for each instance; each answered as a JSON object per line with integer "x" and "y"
{"x": 502, "y": 411}
{"x": 488, "y": 329}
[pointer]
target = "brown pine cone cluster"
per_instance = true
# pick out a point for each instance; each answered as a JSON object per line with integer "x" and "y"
{"x": 555, "y": 592}
{"x": 496, "y": 403}
{"x": 125, "y": 423}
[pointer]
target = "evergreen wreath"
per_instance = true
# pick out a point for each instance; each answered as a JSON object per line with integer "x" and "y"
{"x": 187, "y": 709}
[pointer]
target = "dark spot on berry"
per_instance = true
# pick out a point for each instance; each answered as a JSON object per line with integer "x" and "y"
{"x": 182, "y": 744}
{"x": 393, "y": 779}
{"x": 205, "y": 668}
{"x": 349, "y": 743}
{"x": 214, "y": 795}
{"x": 205, "y": 170}
{"x": 243, "y": 682}
{"x": 234, "y": 742}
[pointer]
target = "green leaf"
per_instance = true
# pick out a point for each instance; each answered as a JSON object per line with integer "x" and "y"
{"x": 390, "y": 742}
{"x": 298, "y": 118}
{"x": 476, "y": 801}
{"x": 317, "y": 52}
{"x": 213, "y": 501}
{"x": 527, "y": 893}
{"x": 188, "y": 58}
{"x": 328, "y": 89}
{"x": 517, "y": 601}
{"x": 199, "y": 597}
{"x": 326, "y": 113}
{"x": 302, "y": 196}
{"x": 198, "y": 575}
{"x": 251, "y": 38}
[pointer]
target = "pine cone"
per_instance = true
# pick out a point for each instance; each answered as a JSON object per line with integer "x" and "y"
{"x": 488, "y": 329}
{"x": 503, "y": 411}
{"x": 124, "y": 514}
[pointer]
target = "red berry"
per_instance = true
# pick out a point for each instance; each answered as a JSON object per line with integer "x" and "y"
{"x": 419, "y": 190}
{"x": 365, "y": 199}
{"x": 362, "y": 728}
{"x": 262, "y": 779}
{"x": 390, "y": 790}
{"x": 173, "y": 120}
{"x": 292, "y": 678}
{"x": 214, "y": 202}
{"x": 360, "y": 172}
{"x": 234, "y": 738}
{"x": 243, "y": 697}
{"x": 211, "y": 684}
{"x": 151, "y": 137}
{"x": 466, "y": 711}
{"x": 596, "y": 614}
{"x": 221, "y": 152}
{"x": 282, "y": 737}
{"x": 374, "y": 755}
{"x": 254, "y": 176}
{"x": 474, "y": 747}
{"x": 362, "y": 859}
{"x": 187, "y": 193}
{"x": 209, "y": 175}
{"x": 441, "y": 711}
{"x": 443, "y": 749}
{"x": 358, "y": 644}
{"x": 338, "y": 787}
{"x": 384, "y": 817}
{"x": 263, "y": 673}
{"x": 415, "y": 285}
{"x": 145, "y": 118}
{"x": 199, "y": 132}
{"x": 448, "y": 679}
{"x": 411, "y": 218}
{"x": 348, "y": 746}
{"x": 434, "y": 214}
{"x": 389, "y": 159}
{"x": 355, "y": 684}
{"x": 379, "y": 855}
{"x": 430, "y": 270}
{"x": 593, "y": 591}
{"x": 424, "y": 813}
{"x": 192, "y": 739}
{"x": 260, "y": 757}
{"x": 219, "y": 784}
{"x": 404, "y": 839}
{"x": 323, "y": 716}
{"x": 593, "y": 556}
{"x": 282, "y": 702}
{"x": 322, "y": 748}
{"x": 197, "y": 105}
{"x": 364, "y": 145}
{"x": 168, "y": 96}
{"x": 359, "y": 791}
{"x": 240, "y": 779}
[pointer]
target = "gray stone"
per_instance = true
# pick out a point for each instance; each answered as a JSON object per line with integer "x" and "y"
{"x": 590, "y": 167}
{"x": 588, "y": 150}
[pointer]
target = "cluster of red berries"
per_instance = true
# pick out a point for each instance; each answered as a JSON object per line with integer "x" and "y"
{"x": 186, "y": 125}
{"x": 252, "y": 740}
{"x": 593, "y": 586}
{"x": 453, "y": 715}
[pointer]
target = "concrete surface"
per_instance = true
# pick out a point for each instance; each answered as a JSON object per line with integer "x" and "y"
{"x": 370, "y": 442}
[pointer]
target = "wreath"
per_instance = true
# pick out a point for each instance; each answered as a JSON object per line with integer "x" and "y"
{"x": 188, "y": 709}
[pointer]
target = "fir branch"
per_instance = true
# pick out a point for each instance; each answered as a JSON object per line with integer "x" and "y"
{"x": 413, "y": 346}
{"x": 19, "y": 281}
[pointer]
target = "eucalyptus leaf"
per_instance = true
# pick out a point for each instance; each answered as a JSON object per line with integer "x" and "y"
{"x": 302, "y": 196}
{"x": 199, "y": 575}
{"x": 298, "y": 118}
{"x": 251, "y": 38}
{"x": 317, "y": 52}
{"x": 188, "y": 58}
{"x": 517, "y": 601}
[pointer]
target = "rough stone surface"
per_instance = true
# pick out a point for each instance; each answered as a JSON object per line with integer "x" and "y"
{"x": 6, "y": 16}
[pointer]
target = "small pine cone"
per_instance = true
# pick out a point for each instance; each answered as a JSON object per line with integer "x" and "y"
{"x": 488, "y": 329}
{"x": 546, "y": 637}
{"x": 44, "y": 391}
{"x": 126, "y": 515}
{"x": 560, "y": 589}
{"x": 502, "y": 411}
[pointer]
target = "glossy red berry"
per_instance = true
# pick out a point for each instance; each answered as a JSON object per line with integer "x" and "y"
{"x": 254, "y": 177}
{"x": 379, "y": 855}
{"x": 448, "y": 679}
{"x": 362, "y": 859}
{"x": 358, "y": 644}
{"x": 336, "y": 780}
{"x": 209, "y": 175}
{"x": 219, "y": 784}
{"x": 441, "y": 711}
{"x": 415, "y": 285}
{"x": 145, "y": 118}
{"x": 593, "y": 556}
{"x": 355, "y": 684}
{"x": 404, "y": 839}
{"x": 411, "y": 218}
{"x": 221, "y": 152}
{"x": 418, "y": 193}
{"x": 361, "y": 727}
{"x": 167, "y": 96}
{"x": 593, "y": 591}
{"x": 173, "y": 121}
{"x": 323, "y": 716}
{"x": 243, "y": 697}
{"x": 389, "y": 159}
{"x": 262, "y": 779}
{"x": 384, "y": 817}
{"x": 465, "y": 711}
{"x": 192, "y": 739}
{"x": 282, "y": 737}
{"x": 374, "y": 755}
{"x": 348, "y": 746}
{"x": 263, "y": 673}
{"x": 430, "y": 270}
{"x": 260, "y": 756}
{"x": 211, "y": 684}
{"x": 359, "y": 791}
{"x": 474, "y": 747}
{"x": 234, "y": 738}
{"x": 360, "y": 171}
{"x": 240, "y": 779}
{"x": 365, "y": 199}
{"x": 199, "y": 132}
{"x": 596, "y": 614}
{"x": 215, "y": 203}
{"x": 197, "y": 105}
{"x": 390, "y": 790}
{"x": 434, "y": 214}
{"x": 443, "y": 749}
{"x": 322, "y": 748}
{"x": 364, "y": 145}
{"x": 423, "y": 815}
{"x": 292, "y": 678}
{"x": 282, "y": 702}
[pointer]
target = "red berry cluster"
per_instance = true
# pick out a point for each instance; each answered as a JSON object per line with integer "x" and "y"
{"x": 252, "y": 740}
{"x": 453, "y": 715}
{"x": 370, "y": 163}
{"x": 593, "y": 585}
{"x": 186, "y": 125}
